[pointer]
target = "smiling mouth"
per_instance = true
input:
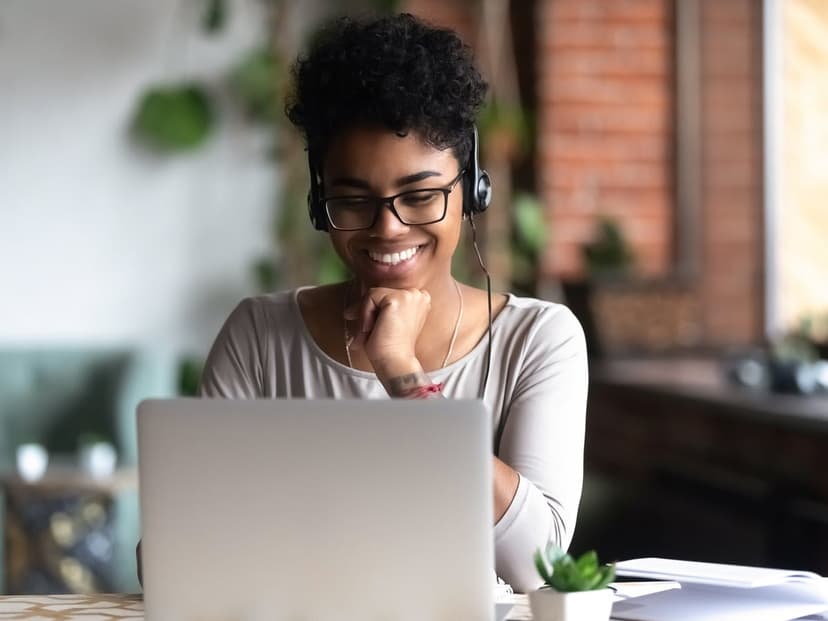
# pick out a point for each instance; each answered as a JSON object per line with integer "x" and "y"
{"x": 394, "y": 258}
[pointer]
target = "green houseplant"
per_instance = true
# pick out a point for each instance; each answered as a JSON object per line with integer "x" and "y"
{"x": 574, "y": 589}
{"x": 609, "y": 253}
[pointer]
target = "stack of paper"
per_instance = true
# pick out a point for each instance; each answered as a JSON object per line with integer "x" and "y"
{"x": 715, "y": 592}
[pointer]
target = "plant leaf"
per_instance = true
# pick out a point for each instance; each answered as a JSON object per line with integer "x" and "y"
{"x": 215, "y": 16}
{"x": 588, "y": 563}
{"x": 174, "y": 118}
{"x": 257, "y": 84}
{"x": 554, "y": 553}
{"x": 530, "y": 226}
{"x": 608, "y": 576}
{"x": 543, "y": 569}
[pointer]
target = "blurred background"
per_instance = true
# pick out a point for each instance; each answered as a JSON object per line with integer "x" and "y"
{"x": 659, "y": 165}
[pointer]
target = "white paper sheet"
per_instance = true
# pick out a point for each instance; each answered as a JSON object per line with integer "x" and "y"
{"x": 710, "y": 573}
{"x": 707, "y": 603}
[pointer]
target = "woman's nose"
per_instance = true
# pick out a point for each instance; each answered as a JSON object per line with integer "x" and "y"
{"x": 387, "y": 223}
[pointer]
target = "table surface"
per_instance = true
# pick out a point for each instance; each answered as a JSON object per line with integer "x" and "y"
{"x": 105, "y": 607}
{"x": 62, "y": 478}
{"x": 97, "y": 607}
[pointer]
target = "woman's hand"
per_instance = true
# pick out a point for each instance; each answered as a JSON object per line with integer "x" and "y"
{"x": 385, "y": 323}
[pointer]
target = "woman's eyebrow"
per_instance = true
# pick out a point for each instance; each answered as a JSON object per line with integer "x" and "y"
{"x": 353, "y": 182}
{"x": 409, "y": 179}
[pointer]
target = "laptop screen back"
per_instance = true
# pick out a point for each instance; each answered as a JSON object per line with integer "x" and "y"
{"x": 301, "y": 509}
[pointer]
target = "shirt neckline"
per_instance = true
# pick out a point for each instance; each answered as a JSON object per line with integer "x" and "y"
{"x": 481, "y": 345}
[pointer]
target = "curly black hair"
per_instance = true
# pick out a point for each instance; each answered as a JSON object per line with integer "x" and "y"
{"x": 396, "y": 71}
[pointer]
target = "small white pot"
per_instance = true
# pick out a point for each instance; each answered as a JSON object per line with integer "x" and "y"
{"x": 98, "y": 459}
{"x": 551, "y": 605}
{"x": 32, "y": 461}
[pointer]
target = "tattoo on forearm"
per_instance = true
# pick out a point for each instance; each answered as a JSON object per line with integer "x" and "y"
{"x": 398, "y": 386}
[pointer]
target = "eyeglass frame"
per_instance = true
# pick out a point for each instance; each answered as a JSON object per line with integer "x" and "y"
{"x": 381, "y": 201}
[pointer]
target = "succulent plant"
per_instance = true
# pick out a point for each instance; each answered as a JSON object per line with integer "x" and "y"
{"x": 564, "y": 573}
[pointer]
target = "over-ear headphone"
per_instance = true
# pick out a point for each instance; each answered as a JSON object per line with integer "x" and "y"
{"x": 477, "y": 188}
{"x": 316, "y": 210}
{"x": 477, "y": 192}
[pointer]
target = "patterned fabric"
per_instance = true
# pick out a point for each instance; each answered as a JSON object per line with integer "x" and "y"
{"x": 72, "y": 607}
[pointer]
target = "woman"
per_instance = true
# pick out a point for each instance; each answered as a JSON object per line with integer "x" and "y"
{"x": 387, "y": 107}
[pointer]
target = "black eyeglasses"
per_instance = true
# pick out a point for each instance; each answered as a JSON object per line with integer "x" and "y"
{"x": 414, "y": 207}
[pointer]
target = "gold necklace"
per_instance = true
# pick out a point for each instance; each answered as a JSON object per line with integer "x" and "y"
{"x": 451, "y": 342}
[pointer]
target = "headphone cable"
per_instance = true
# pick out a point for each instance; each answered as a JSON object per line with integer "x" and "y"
{"x": 489, "y": 296}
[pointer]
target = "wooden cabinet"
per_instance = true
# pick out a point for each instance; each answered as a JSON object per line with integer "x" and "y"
{"x": 679, "y": 463}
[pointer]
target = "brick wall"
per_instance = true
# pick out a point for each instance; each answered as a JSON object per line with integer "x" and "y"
{"x": 607, "y": 77}
{"x": 731, "y": 285}
{"x": 606, "y": 130}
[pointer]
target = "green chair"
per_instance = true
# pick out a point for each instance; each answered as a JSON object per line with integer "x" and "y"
{"x": 54, "y": 396}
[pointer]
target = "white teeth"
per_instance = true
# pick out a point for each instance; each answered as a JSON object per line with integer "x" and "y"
{"x": 393, "y": 259}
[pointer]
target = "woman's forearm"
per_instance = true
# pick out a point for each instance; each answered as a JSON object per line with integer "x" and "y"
{"x": 400, "y": 377}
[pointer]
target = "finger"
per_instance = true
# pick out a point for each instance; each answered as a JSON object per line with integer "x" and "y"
{"x": 370, "y": 309}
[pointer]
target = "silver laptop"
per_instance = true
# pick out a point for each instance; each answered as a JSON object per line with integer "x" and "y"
{"x": 317, "y": 510}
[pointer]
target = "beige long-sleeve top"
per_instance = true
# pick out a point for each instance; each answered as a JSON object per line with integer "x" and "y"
{"x": 536, "y": 392}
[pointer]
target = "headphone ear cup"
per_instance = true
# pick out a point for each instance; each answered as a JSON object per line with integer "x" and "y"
{"x": 480, "y": 184}
{"x": 469, "y": 195}
{"x": 483, "y": 192}
{"x": 318, "y": 217}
